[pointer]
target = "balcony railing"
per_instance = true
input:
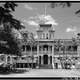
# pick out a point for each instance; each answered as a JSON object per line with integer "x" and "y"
{"x": 45, "y": 52}
{"x": 65, "y": 53}
{"x": 50, "y": 52}
{"x": 29, "y": 52}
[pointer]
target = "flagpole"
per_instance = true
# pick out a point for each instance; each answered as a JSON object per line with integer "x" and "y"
{"x": 45, "y": 11}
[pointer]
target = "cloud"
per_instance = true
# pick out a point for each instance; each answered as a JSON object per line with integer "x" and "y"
{"x": 32, "y": 23}
{"x": 36, "y": 20}
{"x": 51, "y": 22}
{"x": 28, "y": 7}
{"x": 47, "y": 19}
{"x": 71, "y": 29}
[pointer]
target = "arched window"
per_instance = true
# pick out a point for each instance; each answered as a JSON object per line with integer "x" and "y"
{"x": 39, "y": 59}
{"x": 28, "y": 48}
{"x": 8, "y": 58}
{"x": 74, "y": 48}
{"x": 34, "y": 48}
{"x": 23, "y": 47}
{"x": 43, "y": 35}
{"x": 69, "y": 48}
{"x": 50, "y": 36}
{"x": 50, "y": 59}
{"x": 47, "y": 36}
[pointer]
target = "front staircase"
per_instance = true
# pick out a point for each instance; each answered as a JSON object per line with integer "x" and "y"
{"x": 48, "y": 66}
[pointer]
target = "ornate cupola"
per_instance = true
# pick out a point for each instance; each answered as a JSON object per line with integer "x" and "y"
{"x": 46, "y": 28}
{"x": 45, "y": 31}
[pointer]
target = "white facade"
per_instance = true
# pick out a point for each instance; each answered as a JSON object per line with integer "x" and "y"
{"x": 48, "y": 50}
{"x": 45, "y": 47}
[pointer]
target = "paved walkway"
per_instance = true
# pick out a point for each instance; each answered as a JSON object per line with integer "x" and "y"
{"x": 46, "y": 73}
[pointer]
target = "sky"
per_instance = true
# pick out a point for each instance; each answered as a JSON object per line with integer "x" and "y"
{"x": 64, "y": 20}
{"x": 39, "y": 0}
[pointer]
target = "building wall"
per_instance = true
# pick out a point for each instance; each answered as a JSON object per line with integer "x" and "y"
{"x": 67, "y": 48}
{"x": 53, "y": 49}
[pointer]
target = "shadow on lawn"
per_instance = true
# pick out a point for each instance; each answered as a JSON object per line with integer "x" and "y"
{"x": 10, "y": 71}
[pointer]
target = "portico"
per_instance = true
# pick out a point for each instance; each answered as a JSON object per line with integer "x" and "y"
{"x": 45, "y": 53}
{"x": 45, "y": 46}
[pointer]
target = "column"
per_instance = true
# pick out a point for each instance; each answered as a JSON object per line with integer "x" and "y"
{"x": 53, "y": 55}
{"x": 41, "y": 59}
{"x": 51, "y": 49}
{"x": 5, "y": 58}
{"x": 38, "y": 52}
{"x": 48, "y": 49}
{"x": 48, "y": 59}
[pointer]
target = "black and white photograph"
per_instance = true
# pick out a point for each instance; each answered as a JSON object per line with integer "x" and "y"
{"x": 40, "y": 39}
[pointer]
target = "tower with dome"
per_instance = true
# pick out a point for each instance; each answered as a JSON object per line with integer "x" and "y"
{"x": 45, "y": 46}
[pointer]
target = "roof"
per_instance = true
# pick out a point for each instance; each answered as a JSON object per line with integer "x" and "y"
{"x": 45, "y": 25}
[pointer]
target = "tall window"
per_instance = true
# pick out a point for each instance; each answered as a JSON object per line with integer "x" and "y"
{"x": 69, "y": 48}
{"x": 43, "y": 35}
{"x": 47, "y": 36}
{"x": 50, "y": 36}
{"x": 23, "y": 47}
{"x": 74, "y": 48}
{"x": 50, "y": 59}
{"x": 34, "y": 48}
{"x": 56, "y": 48}
{"x": 28, "y": 48}
{"x": 39, "y": 59}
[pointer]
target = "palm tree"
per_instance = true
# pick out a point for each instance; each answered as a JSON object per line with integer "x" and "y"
{"x": 63, "y": 5}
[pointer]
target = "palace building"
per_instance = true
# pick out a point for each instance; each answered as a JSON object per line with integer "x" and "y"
{"x": 49, "y": 52}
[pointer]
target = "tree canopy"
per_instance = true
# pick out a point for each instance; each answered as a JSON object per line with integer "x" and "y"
{"x": 7, "y": 23}
{"x": 63, "y": 5}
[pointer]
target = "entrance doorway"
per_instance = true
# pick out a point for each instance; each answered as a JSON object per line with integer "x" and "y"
{"x": 39, "y": 59}
{"x": 45, "y": 59}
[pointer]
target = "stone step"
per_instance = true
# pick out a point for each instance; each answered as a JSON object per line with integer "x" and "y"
{"x": 46, "y": 66}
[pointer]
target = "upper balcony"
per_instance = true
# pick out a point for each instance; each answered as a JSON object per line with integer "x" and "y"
{"x": 66, "y": 53}
{"x": 45, "y": 40}
{"x": 29, "y": 53}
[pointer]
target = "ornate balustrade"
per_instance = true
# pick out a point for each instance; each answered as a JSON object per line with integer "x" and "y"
{"x": 65, "y": 53}
{"x": 45, "y": 52}
{"x": 29, "y": 52}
